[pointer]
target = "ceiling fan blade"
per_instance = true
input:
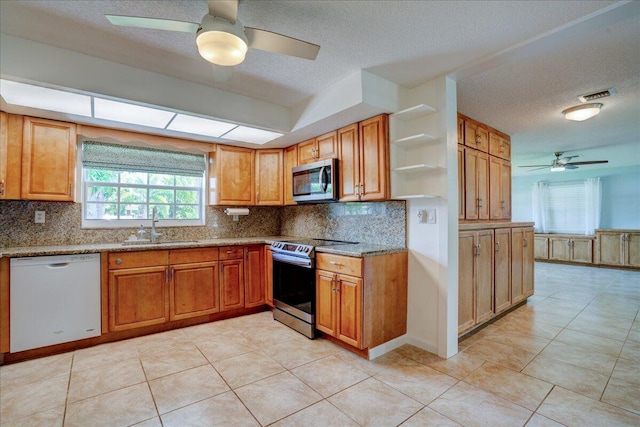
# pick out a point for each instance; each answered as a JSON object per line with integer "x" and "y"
{"x": 153, "y": 23}
{"x": 535, "y": 166}
{"x": 592, "y": 162}
{"x": 565, "y": 160}
{"x": 278, "y": 43}
{"x": 536, "y": 169}
{"x": 225, "y": 9}
{"x": 570, "y": 166}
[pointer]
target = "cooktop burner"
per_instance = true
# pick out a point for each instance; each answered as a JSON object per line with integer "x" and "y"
{"x": 303, "y": 247}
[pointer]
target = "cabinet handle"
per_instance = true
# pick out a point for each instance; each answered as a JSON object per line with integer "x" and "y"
{"x": 2, "y": 188}
{"x": 478, "y": 140}
{"x": 166, "y": 275}
{"x": 357, "y": 191}
{"x": 477, "y": 250}
{"x": 118, "y": 261}
{"x": 497, "y": 246}
{"x": 336, "y": 263}
{"x": 361, "y": 190}
{"x": 230, "y": 252}
{"x": 502, "y": 203}
{"x": 525, "y": 243}
{"x": 69, "y": 190}
{"x": 173, "y": 272}
{"x": 480, "y": 203}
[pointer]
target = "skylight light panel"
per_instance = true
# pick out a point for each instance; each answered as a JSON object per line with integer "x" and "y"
{"x": 199, "y": 126}
{"x": 43, "y": 98}
{"x": 130, "y": 113}
{"x": 251, "y": 135}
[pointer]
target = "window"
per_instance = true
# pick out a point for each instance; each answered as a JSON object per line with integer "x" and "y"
{"x": 571, "y": 207}
{"x": 122, "y": 185}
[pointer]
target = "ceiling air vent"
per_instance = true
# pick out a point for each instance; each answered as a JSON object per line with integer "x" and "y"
{"x": 597, "y": 95}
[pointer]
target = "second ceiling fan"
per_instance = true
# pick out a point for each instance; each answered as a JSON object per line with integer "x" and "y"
{"x": 221, "y": 37}
{"x": 560, "y": 163}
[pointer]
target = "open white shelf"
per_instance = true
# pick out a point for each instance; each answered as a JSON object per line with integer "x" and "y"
{"x": 414, "y": 112}
{"x": 420, "y": 138}
{"x": 416, "y": 168}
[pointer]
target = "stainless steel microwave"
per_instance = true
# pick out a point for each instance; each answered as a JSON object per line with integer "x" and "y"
{"x": 316, "y": 182}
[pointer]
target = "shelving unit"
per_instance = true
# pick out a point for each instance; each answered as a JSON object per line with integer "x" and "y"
{"x": 413, "y": 149}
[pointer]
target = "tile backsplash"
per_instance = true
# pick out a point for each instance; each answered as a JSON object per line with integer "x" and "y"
{"x": 378, "y": 223}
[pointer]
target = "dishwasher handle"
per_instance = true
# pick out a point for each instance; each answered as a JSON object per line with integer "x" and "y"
{"x": 58, "y": 265}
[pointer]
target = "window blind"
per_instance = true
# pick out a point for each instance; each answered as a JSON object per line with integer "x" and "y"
{"x": 566, "y": 207}
{"x": 99, "y": 155}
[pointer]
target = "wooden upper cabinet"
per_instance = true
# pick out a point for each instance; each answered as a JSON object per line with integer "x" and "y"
{"x": 349, "y": 167}
{"x": 499, "y": 146}
{"x": 290, "y": 161}
{"x": 500, "y": 188}
{"x": 269, "y": 177}
{"x": 319, "y": 148}
{"x": 48, "y": 160}
{"x": 363, "y": 150}
{"x": 461, "y": 201}
{"x": 235, "y": 175}
{"x": 476, "y": 184}
{"x": 460, "y": 129}
{"x": 476, "y": 135}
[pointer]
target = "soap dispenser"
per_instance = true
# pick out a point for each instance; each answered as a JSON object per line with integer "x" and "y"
{"x": 141, "y": 232}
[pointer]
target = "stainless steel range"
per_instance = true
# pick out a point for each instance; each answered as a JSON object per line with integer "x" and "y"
{"x": 294, "y": 283}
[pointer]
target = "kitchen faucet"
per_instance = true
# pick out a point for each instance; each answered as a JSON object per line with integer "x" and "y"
{"x": 154, "y": 218}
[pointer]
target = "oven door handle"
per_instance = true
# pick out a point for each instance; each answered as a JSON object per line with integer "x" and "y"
{"x": 288, "y": 259}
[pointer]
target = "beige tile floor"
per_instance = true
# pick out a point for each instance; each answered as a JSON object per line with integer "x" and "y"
{"x": 570, "y": 356}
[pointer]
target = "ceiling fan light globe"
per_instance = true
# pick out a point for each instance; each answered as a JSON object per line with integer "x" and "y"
{"x": 558, "y": 169}
{"x": 583, "y": 112}
{"x": 221, "y": 48}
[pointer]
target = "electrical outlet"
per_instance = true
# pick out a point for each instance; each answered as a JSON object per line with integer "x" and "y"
{"x": 39, "y": 217}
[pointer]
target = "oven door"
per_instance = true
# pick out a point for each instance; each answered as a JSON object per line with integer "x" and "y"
{"x": 294, "y": 290}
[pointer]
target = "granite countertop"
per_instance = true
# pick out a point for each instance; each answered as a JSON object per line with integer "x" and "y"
{"x": 353, "y": 249}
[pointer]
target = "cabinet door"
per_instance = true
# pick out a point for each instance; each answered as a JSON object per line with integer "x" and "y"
{"x": 254, "y": 273}
{"x": 505, "y": 189}
{"x": 502, "y": 269}
{"x": 611, "y": 248}
{"x": 138, "y": 297}
{"x": 268, "y": 277}
{"x": 374, "y": 158}
{"x": 541, "y": 247}
{"x": 560, "y": 248}
{"x": 235, "y": 183}
{"x": 499, "y": 146}
{"x": 307, "y": 152}
{"x": 326, "y": 302}
{"x": 326, "y": 146}
{"x": 527, "y": 263}
{"x": 582, "y": 250}
{"x": 461, "y": 186}
{"x": 495, "y": 190}
{"x": 460, "y": 129}
{"x": 476, "y": 179}
{"x": 11, "y": 156}
{"x": 349, "y": 292}
{"x": 48, "y": 160}
{"x": 517, "y": 250}
{"x": 290, "y": 161}
{"x": 269, "y": 177}
{"x": 466, "y": 289}
{"x": 194, "y": 290}
{"x": 349, "y": 168}
{"x": 476, "y": 135}
{"x": 484, "y": 276}
{"x": 231, "y": 284}
{"x": 632, "y": 249}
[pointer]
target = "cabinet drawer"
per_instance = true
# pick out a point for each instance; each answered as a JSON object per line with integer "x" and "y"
{"x": 231, "y": 252}
{"x": 185, "y": 256}
{"x": 121, "y": 260}
{"x": 339, "y": 264}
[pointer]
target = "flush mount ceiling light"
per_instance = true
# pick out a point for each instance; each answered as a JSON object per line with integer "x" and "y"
{"x": 582, "y": 112}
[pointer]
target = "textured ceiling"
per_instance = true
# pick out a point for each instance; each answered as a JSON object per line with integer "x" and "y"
{"x": 406, "y": 42}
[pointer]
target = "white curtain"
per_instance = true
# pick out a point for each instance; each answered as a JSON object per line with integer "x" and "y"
{"x": 540, "y": 211}
{"x": 592, "y": 197}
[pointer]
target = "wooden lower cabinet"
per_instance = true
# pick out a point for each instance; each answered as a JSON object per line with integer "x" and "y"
{"x": 367, "y": 308}
{"x": 541, "y": 247}
{"x": 268, "y": 277}
{"x": 138, "y": 297}
{"x": 254, "y": 272}
{"x": 231, "y": 284}
{"x": 618, "y": 248}
{"x": 193, "y": 289}
{"x": 495, "y": 267}
{"x": 571, "y": 248}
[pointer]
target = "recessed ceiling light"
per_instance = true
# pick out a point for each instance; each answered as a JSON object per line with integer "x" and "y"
{"x": 44, "y": 98}
{"x": 130, "y": 113}
{"x": 254, "y": 136}
{"x": 199, "y": 125}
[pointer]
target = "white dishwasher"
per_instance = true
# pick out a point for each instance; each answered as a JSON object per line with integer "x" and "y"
{"x": 53, "y": 299}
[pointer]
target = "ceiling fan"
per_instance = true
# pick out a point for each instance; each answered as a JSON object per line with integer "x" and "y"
{"x": 560, "y": 163}
{"x": 221, "y": 38}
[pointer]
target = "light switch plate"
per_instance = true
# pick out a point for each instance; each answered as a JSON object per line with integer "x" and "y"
{"x": 39, "y": 217}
